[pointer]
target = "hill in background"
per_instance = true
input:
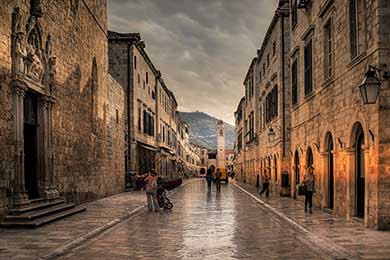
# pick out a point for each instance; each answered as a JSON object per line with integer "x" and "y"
{"x": 203, "y": 130}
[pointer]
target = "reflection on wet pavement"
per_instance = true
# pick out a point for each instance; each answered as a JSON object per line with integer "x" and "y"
{"x": 202, "y": 225}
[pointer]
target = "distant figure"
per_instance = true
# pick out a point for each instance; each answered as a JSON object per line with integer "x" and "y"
{"x": 309, "y": 182}
{"x": 218, "y": 176}
{"x": 150, "y": 190}
{"x": 265, "y": 186}
{"x": 209, "y": 177}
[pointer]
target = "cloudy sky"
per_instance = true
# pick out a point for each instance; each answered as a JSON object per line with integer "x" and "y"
{"x": 202, "y": 47}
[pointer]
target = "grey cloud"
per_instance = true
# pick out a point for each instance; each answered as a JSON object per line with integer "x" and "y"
{"x": 202, "y": 47}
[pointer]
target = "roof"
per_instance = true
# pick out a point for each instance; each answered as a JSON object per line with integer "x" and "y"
{"x": 250, "y": 70}
{"x": 123, "y": 36}
{"x": 282, "y": 4}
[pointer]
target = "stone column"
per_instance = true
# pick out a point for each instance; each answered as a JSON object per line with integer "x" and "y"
{"x": 50, "y": 153}
{"x": 20, "y": 196}
{"x": 44, "y": 183}
{"x": 351, "y": 181}
{"x": 324, "y": 181}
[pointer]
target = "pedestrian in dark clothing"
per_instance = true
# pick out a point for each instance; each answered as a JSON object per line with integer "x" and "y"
{"x": 265, "y": 186}
{"x": 309, "y": 182}
{"x": 218, "y": 176}
{"x": 209, "y": 177}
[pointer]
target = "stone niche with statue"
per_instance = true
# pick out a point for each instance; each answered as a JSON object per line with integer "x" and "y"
{"x": 33, "y": 85}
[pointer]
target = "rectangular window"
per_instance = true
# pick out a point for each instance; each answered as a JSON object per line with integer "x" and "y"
{"x": 139, "y": 79}
{"x": 308, "y": 68}
{"x": 272, "y": 104}
{"x": 145, "y": 116}
{"x": 275, "y": 99}
{"x": 328, "y": 49}
{"x": 353, "y": 28}
{"x": 239, "y": 142}
{"x": 294, "y": 82}
{"x": 116, "y": 116}
{"x": 139, "y": 117}
{"x": 135, "y": 62}
{"x": 147, "y": 78}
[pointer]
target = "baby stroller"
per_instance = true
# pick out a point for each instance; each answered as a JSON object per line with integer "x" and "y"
{"x": 162, "y": 198}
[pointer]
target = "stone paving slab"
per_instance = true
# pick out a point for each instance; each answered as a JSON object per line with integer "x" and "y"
{"x": 202, "y": 226}
{"x": 28, "y": 244}
{"x": 349, "y": 234}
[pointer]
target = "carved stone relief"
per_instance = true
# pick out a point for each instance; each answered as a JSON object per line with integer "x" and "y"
{"x": 30, "y": 60}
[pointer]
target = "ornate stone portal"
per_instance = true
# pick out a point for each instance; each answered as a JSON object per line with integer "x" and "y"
{"x": 33, "y": 73}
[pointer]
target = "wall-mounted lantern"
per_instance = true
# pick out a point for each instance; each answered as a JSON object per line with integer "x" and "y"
{"x": 370, "y": 86}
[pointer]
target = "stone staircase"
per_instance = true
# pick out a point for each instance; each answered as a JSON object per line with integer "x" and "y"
{"x": 38, "y": 213}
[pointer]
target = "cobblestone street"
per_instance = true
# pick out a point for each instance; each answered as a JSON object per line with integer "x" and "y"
{"x": 207, "y": 225}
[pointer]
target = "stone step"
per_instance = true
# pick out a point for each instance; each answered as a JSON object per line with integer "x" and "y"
{"x": 29, "y": 215}
{"x": 35, "y": 206}
{"x": 43, "y": 220}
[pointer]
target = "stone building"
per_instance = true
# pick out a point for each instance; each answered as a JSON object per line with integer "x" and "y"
{"x": 156, "y": 136}
{"x": 250, "y": 112}
{"x": 272, "y": 92}
{"x": 239, "y": 145}
{"x": 60, "y": 113}
{"x": 229, "y": 157}
{"x": 333, "y": 45}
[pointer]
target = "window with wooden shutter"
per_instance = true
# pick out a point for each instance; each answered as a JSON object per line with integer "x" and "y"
{"x": 308, "y": 68}
{"x": 294, "y": 82}
{"x": 353, "y": 28}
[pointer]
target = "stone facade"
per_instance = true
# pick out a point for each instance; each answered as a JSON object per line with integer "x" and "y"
{"x": 156, "y": 137}
{"x": 54, "y": 132}
{"x": 331, "y": 45}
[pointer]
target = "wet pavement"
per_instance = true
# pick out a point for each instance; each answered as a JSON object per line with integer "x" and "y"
{"x": 203, "y": 225}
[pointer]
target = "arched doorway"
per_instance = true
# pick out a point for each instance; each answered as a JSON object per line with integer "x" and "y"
{"x": 330, "y": 168}
{"x": 296, "y": 167}
{"x": 30, "y": 133}
{"x": 359, "y": 172}
{"x": 309, "y": 157}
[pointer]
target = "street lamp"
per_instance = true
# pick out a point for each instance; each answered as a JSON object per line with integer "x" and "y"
{"x": 271, "y": 135}
{"x": 369, "y": 88}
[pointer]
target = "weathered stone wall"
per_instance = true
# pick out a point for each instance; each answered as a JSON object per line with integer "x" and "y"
{"x": 79, "y": 42}
{"x": 333, "y": 111}
{"x": 335, "y": 106}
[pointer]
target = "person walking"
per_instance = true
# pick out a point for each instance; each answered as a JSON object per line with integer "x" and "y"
{"x": 209, "y": 177}
{"x": 309, "y": 182}
{"x": 218, "y": 176}
{"x": 265, "y": 186}
{"x": 150, "y": 190}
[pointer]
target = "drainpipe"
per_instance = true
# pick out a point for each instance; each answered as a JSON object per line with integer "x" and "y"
{"x": 129, "y": 84}
{"x": 282, "y": 14}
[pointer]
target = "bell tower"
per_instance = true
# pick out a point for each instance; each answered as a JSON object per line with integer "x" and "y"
{"x": 220, "y": 145}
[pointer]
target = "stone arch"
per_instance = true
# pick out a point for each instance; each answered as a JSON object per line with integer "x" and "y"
{"x": 358, "y": 137}
{"x": 354, "y": 130}
{"x": 296, "y": 167}
{"x": 329, "y": 168}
